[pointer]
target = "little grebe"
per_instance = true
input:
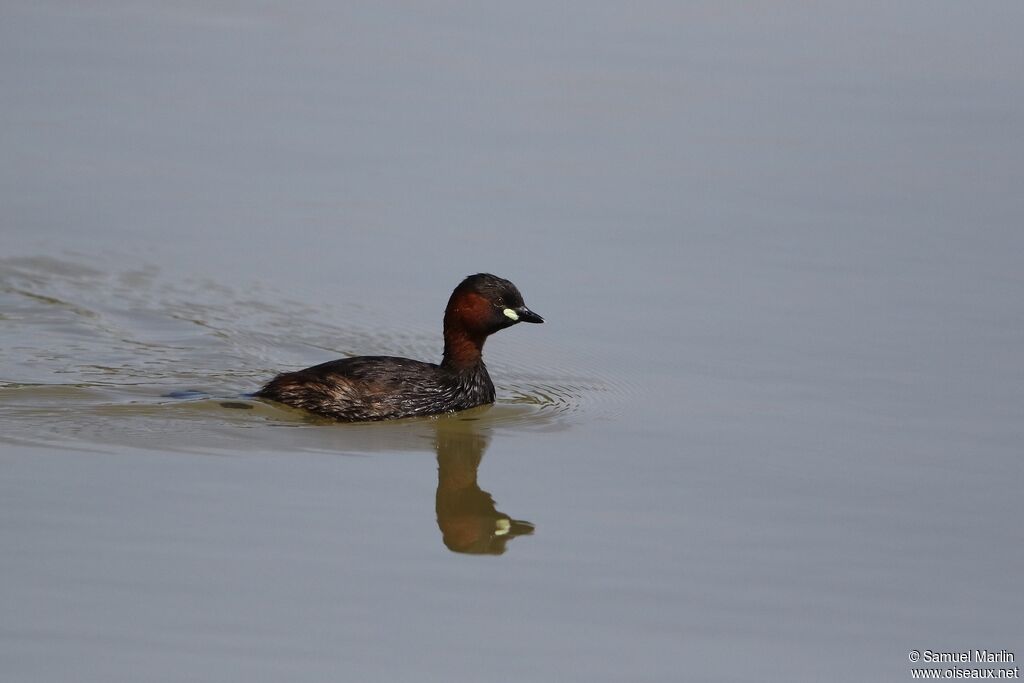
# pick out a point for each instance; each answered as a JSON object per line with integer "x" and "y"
{"x": 384, "y": 387}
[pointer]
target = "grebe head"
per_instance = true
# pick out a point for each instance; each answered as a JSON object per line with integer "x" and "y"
{"x": 483, "y": 304}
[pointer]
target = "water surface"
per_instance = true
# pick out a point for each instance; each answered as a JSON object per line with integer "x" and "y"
{"x": 770, "y": 430}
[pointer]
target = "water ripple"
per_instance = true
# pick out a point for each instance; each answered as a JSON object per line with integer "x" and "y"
{"x": 93, "y": 356}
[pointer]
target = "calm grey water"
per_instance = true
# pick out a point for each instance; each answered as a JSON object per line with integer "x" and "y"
{"x": 771, "y": 430}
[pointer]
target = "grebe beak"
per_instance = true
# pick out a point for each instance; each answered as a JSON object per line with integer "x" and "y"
{"x": 528, "y": 316}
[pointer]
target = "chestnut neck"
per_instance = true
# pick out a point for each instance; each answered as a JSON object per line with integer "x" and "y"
{"x": 464, "y": 331}
{"x": 462, "y": 350}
